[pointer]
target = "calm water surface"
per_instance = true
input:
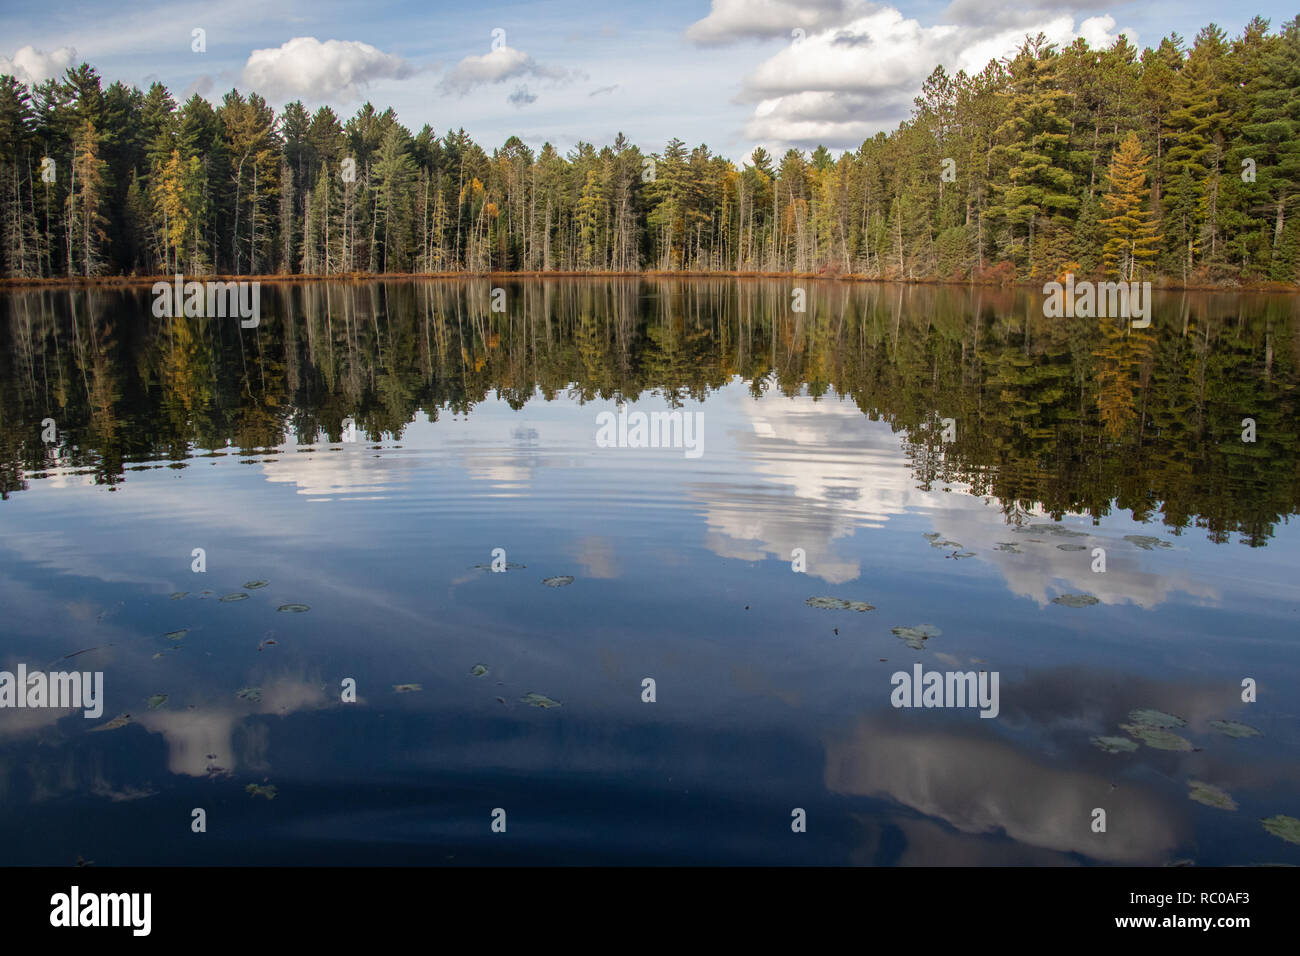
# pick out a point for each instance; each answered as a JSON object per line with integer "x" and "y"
{"x": 365, "y": 449}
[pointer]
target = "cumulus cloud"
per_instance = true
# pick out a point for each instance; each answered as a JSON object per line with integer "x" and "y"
{"x": 32, "y": 66}
{"x": 730, "y": 21}
{"x": 307, "y": 68}
{"x": 501, "y": 64}
{"x": 839, "y": 85}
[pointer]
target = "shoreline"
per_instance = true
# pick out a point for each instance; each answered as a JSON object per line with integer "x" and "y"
{"x": 127, "y": 282}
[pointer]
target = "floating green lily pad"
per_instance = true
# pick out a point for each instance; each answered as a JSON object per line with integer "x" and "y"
{"x": 944, "y": 543}
{"x": 254, "y": 585}
{"x": 1059, "y": 530}
{"x": 839, "y": 604}
{"x": 931, "y": 535}
{"x": 253, "y": 694}
{"x": 156, "y": 701}
{"x": 407, "y": 688}
{"x": 176, "y": 635}
{"x": 121, "y": 720}
{"x": 962, "y": 554}
{"x": 915, "y": 636}
{"x": 539, "y": 700}
{"x": 478, "y": 670}
{"x": 1211, "y": 796}
{"x": 237, "y": 596}
{"x": 1147, "y": 542}
{"x": 1071, "y": 547}
{"x": 1114, "y": 745}
{"x": 1286, "y": 828}
{"x": 257, "y": 790}
{"x": 294, "y": 608}
{"x": 1233, "y": 728}
{"x": 179, "y": 594}
{"x": 1156, "y": 737}
{"x": 1009, "y": 547}
{"x": 510, "y": 566}
{"x": 558, "y": 581}
{"x": 1075, "y": 600}
{"x": 1146, "y": 717}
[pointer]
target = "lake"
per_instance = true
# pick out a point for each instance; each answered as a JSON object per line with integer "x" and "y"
{"x": 644, "y": 571}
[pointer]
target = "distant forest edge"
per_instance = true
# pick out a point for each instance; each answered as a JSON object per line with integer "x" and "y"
{"x": 1173, "y": 164}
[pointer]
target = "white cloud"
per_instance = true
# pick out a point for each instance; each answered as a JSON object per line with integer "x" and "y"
{"x": 501, "y": 64}
{"x": 32, "y": 66}
{"x": 732, "y": 20}
{"x": 307, "y": 68}
{"x": 844, "y": 83}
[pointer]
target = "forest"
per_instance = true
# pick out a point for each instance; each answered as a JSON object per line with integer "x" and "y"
{"x": 1175, "y": 163}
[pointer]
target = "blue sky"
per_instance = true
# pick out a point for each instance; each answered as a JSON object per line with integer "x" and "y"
{"x": 729, "y": 73}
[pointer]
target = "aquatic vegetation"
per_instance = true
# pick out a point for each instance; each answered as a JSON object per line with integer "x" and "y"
{"x": 121, "y": 720}
{"x": 256, "y": 790}
{"x": 1147, "y": 542}
{"x": 478, "y": 670}
{"x": 1008, "y": 547}
{"x": 510, "y": 566}
{"x": 1056, "y": 529}
{"x": 915, "y": 636}
{"x": 179, "y": 594}
{"x": 962, "y": 554}
{"x": 1071, "y": 547}
{"x": 1210, "y": 795}
{"x": 407, "y": 688}
{"x": 252, "y": 694}
{"x": 1157, "y": 738}
{"x": 254, "y": 585}
{"x": 539, "y": 700}
{"x": 945, "y": 544}
{"x": 1114, "y": 745}
{"x": 176, "y": 635}
{"x": 1283, "y": 827}
{"x": 558, "y": 582}
{"x": 237, "y": 596}
{"x": 156, "y": 701}
{"x": 839, "y": 604}
{"x": 1146, "y": 717}
{"x": 1075, "y": 600}
{"x": 294, "y": 608}
{"x": 1233, "y": 728}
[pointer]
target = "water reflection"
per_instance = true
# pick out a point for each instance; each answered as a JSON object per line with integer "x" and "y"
{"x": 823, "y": 437}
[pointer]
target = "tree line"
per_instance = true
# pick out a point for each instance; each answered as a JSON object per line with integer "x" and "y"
{"x": 1173, "y": 162}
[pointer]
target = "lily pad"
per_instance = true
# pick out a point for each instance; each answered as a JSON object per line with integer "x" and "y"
{"x": 294, "y": 608}
{"x": 1286, "y": 828}
{"x": 180, "y": 594}
{"x": 915, "y": 636}
{"x": 254, "y": 585}
{"x": 1071, "y": 547}
{"x": 838, "y": 604}
{"x": 478, "y": 670}
{"x": 156, "y": 701}
{"x": 1008, "y": 547}
{"x": 1157, "y": 738}
{"x": 962, "y": 554}
{"x": 253, "y": 694}
{"x": 1114, "y": 745}
{"x": 1146, "y": 717}
{"x": 1075, "y": 600}
{"x": 121, "y": 720}
{"x": 1060, "y": 530}
{"x": 539, "y": 700}
{"x": 558, "y": 581}
{"x": 237, "y": 596}
{"x": 1211, "y": 796}
{"x": 407, "y": 688}
{"x": 944, "y": 543}
{"x": 1147, "y": 542}
{"x": 176, "y": 635}
{"x": 510, "y": 566}
{"x": 1233, "y": 728}
{"x": 257, "y": 790}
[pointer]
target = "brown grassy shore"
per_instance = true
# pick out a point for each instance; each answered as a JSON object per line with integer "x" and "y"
{"x": 135, "y": 281}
